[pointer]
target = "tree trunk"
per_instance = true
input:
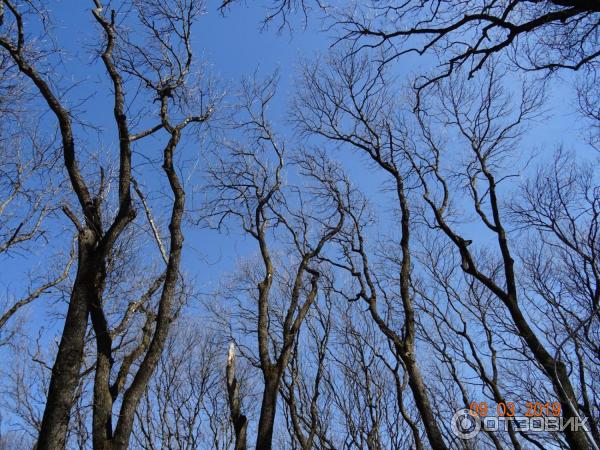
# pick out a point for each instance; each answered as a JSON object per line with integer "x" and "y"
{"x": 264, "y": 438}
{"x": 65, "y": 377}
{"x": 417, "y": 386}
{"x": 239, "y": 420}
{"x": 556, "y": 372}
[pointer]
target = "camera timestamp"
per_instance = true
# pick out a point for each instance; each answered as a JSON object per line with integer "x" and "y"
{"x": 512, "y": 409}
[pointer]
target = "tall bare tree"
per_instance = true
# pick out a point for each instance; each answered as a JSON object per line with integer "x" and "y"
{"x": 249, "y": 185}
{"x": 489, "y": 124}
{"x": 162, "y": 65}
{"x": 350, "y": 104}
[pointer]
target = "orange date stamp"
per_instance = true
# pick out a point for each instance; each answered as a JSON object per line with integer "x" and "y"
{"x": 512, "y": 409}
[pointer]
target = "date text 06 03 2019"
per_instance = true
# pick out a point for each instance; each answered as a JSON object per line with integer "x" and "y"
{"x": 512, "y": 409}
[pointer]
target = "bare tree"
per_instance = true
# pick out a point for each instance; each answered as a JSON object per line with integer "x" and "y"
{"x": 238, "y": 419}
{"x": 307, "y": 400}
{"x": 282, "y": 11}
{"x": 349, "y": 101}
{"x": 351, "y": 324}
{"x": 490, "y": 125}
{"x": 26, "y": 379}
{"x": 162, "y": 67}
{"x": 560, "y": 208}
{"x": 248, "y": 185}
{"x": 479, "y": 354}
{"x": 351, "y": 105}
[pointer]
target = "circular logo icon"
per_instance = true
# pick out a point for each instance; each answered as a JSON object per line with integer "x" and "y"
{"x": 465, "y": 425}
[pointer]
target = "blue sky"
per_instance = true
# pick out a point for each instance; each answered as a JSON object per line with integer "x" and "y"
{"x": 234, "y": 46}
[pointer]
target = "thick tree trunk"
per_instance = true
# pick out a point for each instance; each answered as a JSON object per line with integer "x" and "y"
{"x": 102, "y": 411}
{"x": 66, "y": 370}
{"x": 264, "y": 438}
